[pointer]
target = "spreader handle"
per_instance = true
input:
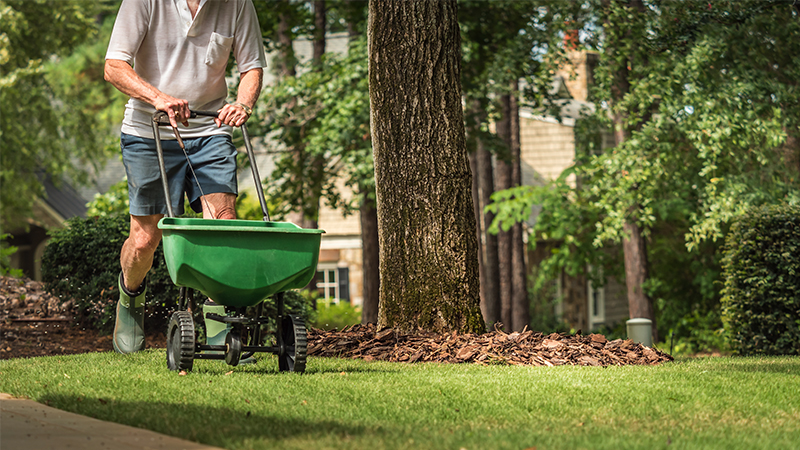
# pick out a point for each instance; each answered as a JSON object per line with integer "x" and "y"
{"x": 161, "y": 118}
{"x": 193, "y": 114}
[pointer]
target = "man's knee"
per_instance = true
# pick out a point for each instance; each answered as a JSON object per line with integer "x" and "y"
{"x": 219, "y": 206}
{"x": 145, "y": 235}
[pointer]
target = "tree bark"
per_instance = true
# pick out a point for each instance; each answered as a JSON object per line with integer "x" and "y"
{"x": 503, "y": 168}
{"x": 482, "y": 188}
{"x": 490, "y": 303}
{"x": 426, "y": 222}
{"x": 286, "y": 60}
{"x": 520, "y": 306}
{"x": 370, "y": 258}
{"x": 476, "y": 204}
{"x": 319, "y": 30}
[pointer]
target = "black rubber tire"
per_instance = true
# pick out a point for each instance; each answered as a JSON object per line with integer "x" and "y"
{"x": 234, "y": 348}
{"x": 294, "y": 342}
{"x": 180, "y": 341}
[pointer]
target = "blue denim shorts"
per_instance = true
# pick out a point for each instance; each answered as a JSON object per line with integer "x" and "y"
{"x": 213, "y": 159}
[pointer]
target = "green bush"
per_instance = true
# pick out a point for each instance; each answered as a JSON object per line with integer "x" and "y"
{"x": 81, "y": 262}
{"x": 5, "y": 258}
{"x": 761, "y": 296}
{"x": 336, "y": 316}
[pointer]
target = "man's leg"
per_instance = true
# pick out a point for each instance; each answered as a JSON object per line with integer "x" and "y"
{"x": 137, "y": 252}
{"x": 219, "y": 206}
{"x": 136, "y": 259}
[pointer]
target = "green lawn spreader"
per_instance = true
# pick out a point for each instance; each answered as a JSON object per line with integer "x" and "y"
{"x": 238, "y": 264}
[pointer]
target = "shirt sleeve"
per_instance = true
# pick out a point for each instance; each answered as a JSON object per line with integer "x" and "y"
{"x": 248, "y": 49}
{"x": 130, "y": 27}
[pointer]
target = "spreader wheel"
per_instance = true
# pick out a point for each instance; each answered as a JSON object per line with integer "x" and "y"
{"x": 234, "y": 348}
{"x": 180, "y": 341}
{"x": 293, "y": 342}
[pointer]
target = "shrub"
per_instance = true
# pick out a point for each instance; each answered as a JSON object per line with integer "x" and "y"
{"x": 81, "y": 262}
{"x": 5, "y": 258}
{"x": 336, "y": 316}
{"x": 761, "y": 296}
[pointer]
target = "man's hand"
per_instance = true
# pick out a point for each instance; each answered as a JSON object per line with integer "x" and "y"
{"x": 233, "y": 114}
{"x": 237, "y": 113}
{"x": 177, "y": 109}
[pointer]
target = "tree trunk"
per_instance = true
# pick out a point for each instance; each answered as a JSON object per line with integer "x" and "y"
{"x": 426, "y": 223}
{"x": 633, "y": 244}
{"x": 482, "y": 188}
{"x": 490, "y": 304}
{"x": 319, "y": 30}
{"x": 370, "y": 258}
{"x": 476, "y": 206}
{"x": 504, "y": 170}
{"x": 520, "y": 306}
{"x": 286, "y": 60}
{"x": 635, "y": 250}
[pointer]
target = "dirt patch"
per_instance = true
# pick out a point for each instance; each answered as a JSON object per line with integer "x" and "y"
{"x": 35, "y": 323}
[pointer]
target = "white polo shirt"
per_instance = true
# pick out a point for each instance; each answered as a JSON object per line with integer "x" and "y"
{"x": 184, "y": 57}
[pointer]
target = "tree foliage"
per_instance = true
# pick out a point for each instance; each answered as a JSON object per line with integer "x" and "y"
{"x": 50, "y": 93}
{"x": 712, "y": 114}
{"x": 325, "y": 111}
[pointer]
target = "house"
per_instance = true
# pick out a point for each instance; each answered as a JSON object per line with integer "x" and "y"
{"x": 61, "y": 202}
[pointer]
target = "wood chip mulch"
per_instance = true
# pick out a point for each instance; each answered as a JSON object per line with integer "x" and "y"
{"x": 35, "y": 323}
{"x": 527, "y": 348}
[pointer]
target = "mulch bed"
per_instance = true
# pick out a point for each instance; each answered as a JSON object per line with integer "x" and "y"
{"x": 35, "y": 323}
{"x": 527, "y": 348}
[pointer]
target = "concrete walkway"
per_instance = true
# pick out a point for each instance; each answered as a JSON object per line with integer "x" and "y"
{"x": 27, "y": 425}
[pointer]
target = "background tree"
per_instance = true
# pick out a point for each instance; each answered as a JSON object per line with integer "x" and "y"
{"x": 709, "y": 117}
{"x": 53, "y": 111}
{"x": 504, "y": 43}
{"x": 429, "y": 270}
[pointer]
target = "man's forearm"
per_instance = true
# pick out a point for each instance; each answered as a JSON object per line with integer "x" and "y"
{"x": 250, "y": 87}
{"x": 123, "y": 77}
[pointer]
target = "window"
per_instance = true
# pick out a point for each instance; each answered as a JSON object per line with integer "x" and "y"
{"x": 597, "y": 305}
{"x": 333, "y": 282}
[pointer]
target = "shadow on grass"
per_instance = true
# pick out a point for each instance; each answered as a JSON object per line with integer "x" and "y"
{"x": 270, "y": 367}
{"x": 223, "y": 427}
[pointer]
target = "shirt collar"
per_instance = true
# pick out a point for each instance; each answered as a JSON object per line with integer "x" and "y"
{"x": 187, "y": 22}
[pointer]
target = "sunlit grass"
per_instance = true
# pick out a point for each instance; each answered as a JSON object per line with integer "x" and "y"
{"x": 699, "y": 403}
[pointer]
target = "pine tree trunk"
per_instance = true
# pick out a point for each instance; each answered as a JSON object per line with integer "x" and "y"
{"x": 370, "y": 258}
{"x": 520, "y": 306}
{"x": 504, "y": 169}
{"x": 426, "y": 223}
{"x": 319, "y": 30}
{"x": 476, "y": 206}
{"x": 490, "y": 304}
{"x": 482, "y": 188}
{"x": 633, "y": 245}
{"x": 286, "y": 60}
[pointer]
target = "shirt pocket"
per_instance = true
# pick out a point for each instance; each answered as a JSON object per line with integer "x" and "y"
{"x": 219, "y": 48}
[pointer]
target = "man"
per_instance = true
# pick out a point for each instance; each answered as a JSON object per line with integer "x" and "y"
{"x": 171, "y": 55}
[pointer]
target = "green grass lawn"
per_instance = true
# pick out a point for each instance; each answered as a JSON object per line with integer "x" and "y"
{"x": 697, "y": 403}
